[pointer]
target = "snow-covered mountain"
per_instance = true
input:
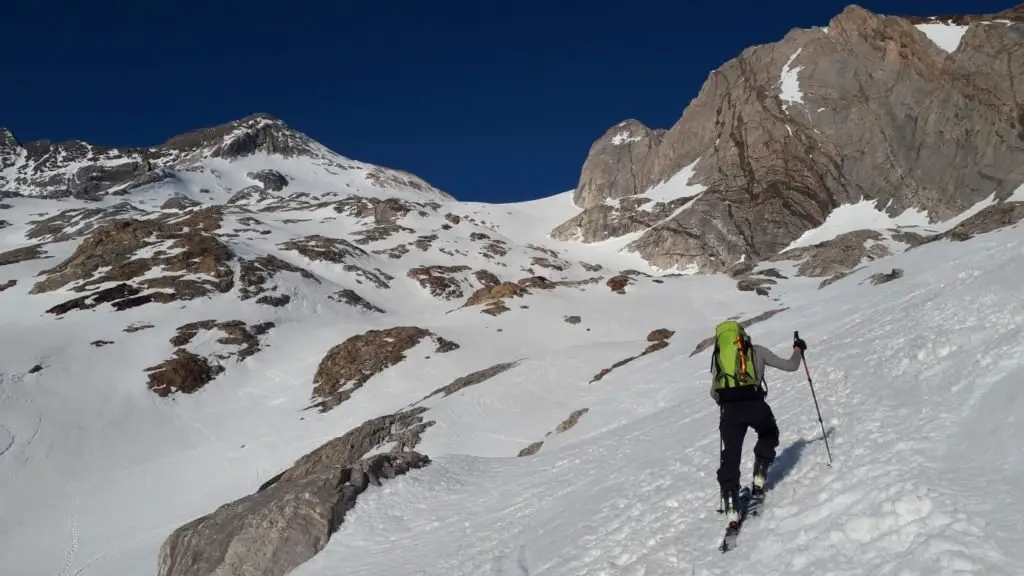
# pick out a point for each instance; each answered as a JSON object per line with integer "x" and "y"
{"x": 240, "y": 352}
{"x": 210, "y": 161}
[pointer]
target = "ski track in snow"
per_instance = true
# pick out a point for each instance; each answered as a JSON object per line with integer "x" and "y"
{"x": 914, "y": 378}
{"x": 73, "y": 548}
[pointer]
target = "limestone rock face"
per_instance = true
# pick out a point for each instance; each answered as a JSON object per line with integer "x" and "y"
{"x": 274, "y": 530}
{"x": 616, "y": 163}
{"x": 869, "y": 107}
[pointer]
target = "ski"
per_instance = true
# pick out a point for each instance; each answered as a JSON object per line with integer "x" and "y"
{"x": 732, "y": 532}
{"x": 750, "y": 507}
{"x": 756, "y": 504}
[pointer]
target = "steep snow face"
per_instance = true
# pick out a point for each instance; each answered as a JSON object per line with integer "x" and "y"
{"x": 160, "y": 366}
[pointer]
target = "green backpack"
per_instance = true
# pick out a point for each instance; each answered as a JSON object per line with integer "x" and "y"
{"x": 732, "y": 362}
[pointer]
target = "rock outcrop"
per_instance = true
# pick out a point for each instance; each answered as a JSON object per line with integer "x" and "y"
{"x": 282, "y": 525}
{"x": 352, "y": 298}
{"x": 564, "y": 426}
{"x": 186, "y": 372}
{"x": 869, "y": 107}
{"x": 840, "y": 254}
{"x": 885, "y": 277}
{"x": 443, "y": 282}
{"x": 659, "y": 339}
{"x": 153, "y": 260}
{"x": 480, "y": 376}
{"x": 989, "y": 219}
{"x": 349, "y": 365}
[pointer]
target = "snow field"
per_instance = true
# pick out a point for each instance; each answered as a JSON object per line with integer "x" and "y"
{"x": 913, "y": 380}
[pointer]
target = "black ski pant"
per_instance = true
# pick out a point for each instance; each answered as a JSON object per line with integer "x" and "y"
{"x": 736, "y": 417}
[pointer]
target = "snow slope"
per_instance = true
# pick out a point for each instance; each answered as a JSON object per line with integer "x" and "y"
{"x": 915, "y": 382}
{"x": 913, "y": 378}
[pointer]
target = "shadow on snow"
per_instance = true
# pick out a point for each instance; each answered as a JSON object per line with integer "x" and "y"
{"x": 786, "y": 460}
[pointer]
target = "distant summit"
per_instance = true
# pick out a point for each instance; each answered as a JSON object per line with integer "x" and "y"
{"x": 82, "y": 170}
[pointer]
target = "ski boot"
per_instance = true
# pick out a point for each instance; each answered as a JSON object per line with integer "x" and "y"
{"x": 760, "y": 477}
{"x": 735, "y": 502}
{"x": 757, "y": 486}
{"x": 731, "y": 502}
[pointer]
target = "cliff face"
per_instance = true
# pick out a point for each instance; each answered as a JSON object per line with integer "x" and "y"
{"x": 914, "y": 114}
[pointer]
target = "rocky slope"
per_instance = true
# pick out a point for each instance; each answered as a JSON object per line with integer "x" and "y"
{"x": 912, "y": 114}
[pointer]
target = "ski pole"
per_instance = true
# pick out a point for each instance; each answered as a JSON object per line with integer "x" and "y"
{"x": 721, "y": 459}
{"x": 796, "y": 336}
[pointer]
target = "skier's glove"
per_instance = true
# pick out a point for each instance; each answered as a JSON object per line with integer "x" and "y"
{"x": 800, "y": 344}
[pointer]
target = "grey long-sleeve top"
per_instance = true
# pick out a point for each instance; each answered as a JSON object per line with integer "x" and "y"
{"x": 763, "y": 357}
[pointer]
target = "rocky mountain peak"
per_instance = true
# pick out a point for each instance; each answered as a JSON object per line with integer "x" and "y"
{"x": 7, "y": 139}
{"x": 628, "y": 132}
{"x": 9, "y": 149}
{"x": 615, "y": 162}
{"x": 913, "y": 114}
{"x": 255, "y": 133}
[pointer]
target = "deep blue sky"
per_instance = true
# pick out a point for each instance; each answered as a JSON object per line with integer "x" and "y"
{"x": 495, "y": 101}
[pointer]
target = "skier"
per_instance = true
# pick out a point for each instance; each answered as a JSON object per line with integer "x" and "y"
{"x": 738, "y": 374}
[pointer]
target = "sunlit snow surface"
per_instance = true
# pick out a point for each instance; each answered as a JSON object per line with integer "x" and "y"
{"x": 916, "y": 380}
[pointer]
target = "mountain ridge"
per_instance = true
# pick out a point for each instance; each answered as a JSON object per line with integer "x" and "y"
{"x": 787, "y": 131}
{"x": 80, "y": 169}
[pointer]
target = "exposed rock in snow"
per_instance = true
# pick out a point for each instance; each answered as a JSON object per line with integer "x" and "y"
{"x": 349, "y": 365}
{"x": 17, "y": 255}
{"x": 276, "y": 529}
{"x": 883, "y": 277}
{"x": 272, "y": 180}
{"x": 659, "y": 338}
{"x": 184, "y": 372}
{"x": 839, "y": 254}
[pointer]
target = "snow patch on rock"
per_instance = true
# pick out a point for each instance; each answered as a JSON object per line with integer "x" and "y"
{"x": 624, "y": 137}
{"x": 945, "y": 35}
{"x": 789, "y": 83}
{"x": 859, "y": 216}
